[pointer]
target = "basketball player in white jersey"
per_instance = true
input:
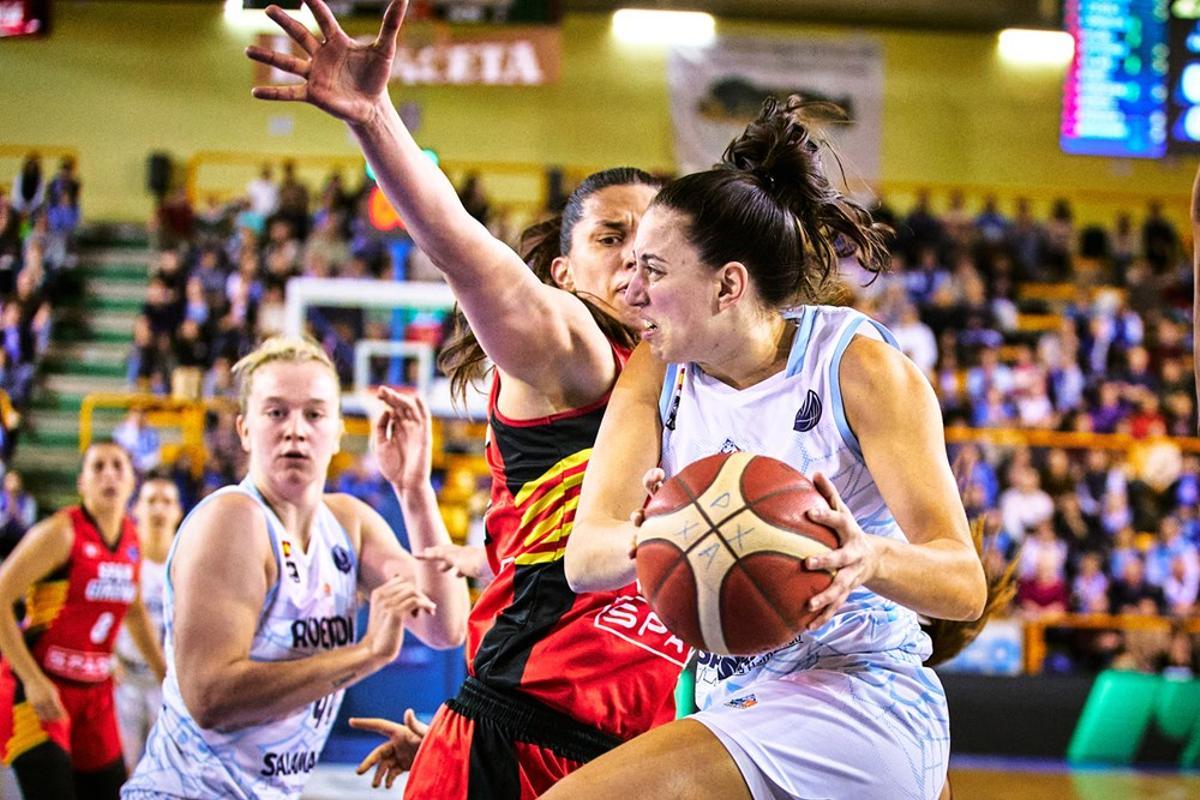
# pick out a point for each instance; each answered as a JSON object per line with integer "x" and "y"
{"x": 262, "y": 584}
{"x": 846, "y": 709}
{"x": 138, "y": 693}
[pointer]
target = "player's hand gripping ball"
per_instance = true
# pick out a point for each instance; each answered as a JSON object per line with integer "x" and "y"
{"x": 720, "y": 555}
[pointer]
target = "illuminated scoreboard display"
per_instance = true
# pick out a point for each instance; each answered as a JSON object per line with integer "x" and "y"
{"x": 1115, "y": 93}
{"x": 1183, "y": 104}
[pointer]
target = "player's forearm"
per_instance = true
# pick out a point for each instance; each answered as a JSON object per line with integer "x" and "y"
{"x": 423, "y": 520}
{"x": 597, "y": 557}
{"x": 252, "y": 692}
{"x": 142, "y": 631}
{"x": 424, "y": 197}
{"x": 14, "y": 650}
{"x": 943, "y": 578}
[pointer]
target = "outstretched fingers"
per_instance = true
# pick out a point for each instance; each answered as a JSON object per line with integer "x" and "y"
{"x": 293, "y": 28}
{"x": 393, "y": 18}
{"x": 281, "y": 61}
{"x": 324, "y": 17}
{"x": 286, "y": 93}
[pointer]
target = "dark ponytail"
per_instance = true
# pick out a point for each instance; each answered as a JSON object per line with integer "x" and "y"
{"x": 769, "y": 205}
{"x": 462, "y": 358}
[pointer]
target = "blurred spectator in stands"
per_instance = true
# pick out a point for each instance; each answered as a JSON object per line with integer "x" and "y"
{"x": 18, "y": 512}
{"x": 174, "y": 222}
{"x": 218, "y": 381}
{"x": 191, "y": 359}
{"x": 991, "y": 225}
{"x": 271, "y": 312}
{"x": 975, "y": 470}
{"x": 168, "y": 268}
{"x": 183, "y": 475}
{"x": 1042, "y": 545}
{"x": 1186, "y": 489}
{"x": 1154, "y": 464}
{"x": 1115, "y": 512}
{"x": 1080, "y": 532}
{"x": 1123, "y": 550}
{"x": 1109, "y": 410}
{"x": 195, "y": 308}
{"x": 1131, "y": 593}
{"x": 949, "y": 382}
{"x": 263, "y": 194}
{"x": 1059, "y": 245}
{"x": 1045, "y": 591}
{"x": 916, "y": 339}
{"x": 140, "y": 439}
{"x": 336, "y": 202}
{"x": 10, "y": 245}
{"x": 926, "y": 277}
{"x": 920, "y": 230}
{"x": 145, "y": 368}
{"x": 1180, "y": 588}
{"x": 1058, "y": 474}
{"x": 222, "y": 442}
{"x": 1160, "y": 241}
{"x": 161, "y": 311}
{"x": 474, "y": 199}
{"x": 29, "y": 186}
{"x": 1089, "y": 590}
{"x": 1024, "y": 506}
{"x": 1122, "y": 244}
{"x": 294, "y": 200}
{"x": 211, "y": 273}
{"x": 1179, "y": 660}
{"x": 1168, "y": 547}
{"x": 327, "y": 242}
{"x": 991, "y": 373}
{"x": 1028, "y": 240}
{"x": 282, "y": 249}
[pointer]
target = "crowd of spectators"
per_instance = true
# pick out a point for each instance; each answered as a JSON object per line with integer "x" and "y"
{"x": 39, "y": 217}
{"x": 1040, "y": 325}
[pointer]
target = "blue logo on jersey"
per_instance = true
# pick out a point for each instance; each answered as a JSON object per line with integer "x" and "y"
{"x": 730, "y": 446}
{"x": 809, "y": 414}
{"x": 131, "y": 552}
{"x": 341, "y": 558}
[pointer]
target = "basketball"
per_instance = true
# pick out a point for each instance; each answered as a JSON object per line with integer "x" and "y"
{"x": 720, "y": 556}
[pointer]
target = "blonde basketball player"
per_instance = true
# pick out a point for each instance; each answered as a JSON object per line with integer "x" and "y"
{"x": 846, "y": 709}
{"x": 262, "y": 585}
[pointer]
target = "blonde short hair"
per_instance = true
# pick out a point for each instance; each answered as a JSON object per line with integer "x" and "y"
{"x": 290, "y": 349}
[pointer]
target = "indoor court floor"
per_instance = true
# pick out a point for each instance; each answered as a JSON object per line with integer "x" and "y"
{"x": 972, "y": 778}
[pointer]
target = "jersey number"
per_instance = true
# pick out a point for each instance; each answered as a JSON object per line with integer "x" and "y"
{"x": 103, "y": 625}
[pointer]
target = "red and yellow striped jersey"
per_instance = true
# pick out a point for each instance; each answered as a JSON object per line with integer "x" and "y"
{"x": 604, "y": 658}
{"x": 73, "y": 615}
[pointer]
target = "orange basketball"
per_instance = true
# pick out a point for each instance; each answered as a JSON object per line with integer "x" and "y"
{"x": 721, "y": 554}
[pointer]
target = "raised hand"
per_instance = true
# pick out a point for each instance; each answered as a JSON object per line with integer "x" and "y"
{"x": 395, "y": 756}
{"x": 391, "y": 605}
{"x": 854, "y": 562}
{"x": 403, "y": 439}
{"x": 341, "y": 76}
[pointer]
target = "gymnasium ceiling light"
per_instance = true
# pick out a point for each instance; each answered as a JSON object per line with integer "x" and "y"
{"x": 1024, "y": 47}
{"x": 645, "y": 26}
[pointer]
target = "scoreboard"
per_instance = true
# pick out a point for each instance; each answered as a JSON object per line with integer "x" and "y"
{"x": 1115, "y": 93}
{"x": 1133, "y": 87}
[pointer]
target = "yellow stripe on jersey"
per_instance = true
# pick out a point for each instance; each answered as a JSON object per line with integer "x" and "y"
{"x": 540, "y": 558}
{"x": 27, "y": 732}
{"x": 552, "y": 525}
{"x": 573, "y": 460}
{"x": 44, "y": 602}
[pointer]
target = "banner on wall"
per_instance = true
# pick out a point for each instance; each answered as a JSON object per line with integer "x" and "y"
{"x": 461, "y": 56}
{"x": 716, "y": 90}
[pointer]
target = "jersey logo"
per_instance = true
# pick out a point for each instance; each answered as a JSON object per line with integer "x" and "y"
{"x": 749, "y": 701}
{"x": 341, "y": 558}
{"x": 730, "y": 446}
{"x": 809, "y": 414}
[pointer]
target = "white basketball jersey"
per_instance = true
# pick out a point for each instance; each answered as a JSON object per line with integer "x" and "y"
{"x": 151, "y": 578}
{"x": 310, "y": 609}
{"x": 797, "y": 417}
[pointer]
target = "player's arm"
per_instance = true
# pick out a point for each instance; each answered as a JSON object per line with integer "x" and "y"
{"x": 893, "y": 411}
{"x": 629, "y": 443}
{"x": 1195, "y": 215}
{"x": 45, "y": 548}
{"x": 539, "y": 335}
{"x": 402, "y": 439}
{"x": 141, "y": 630}
{"x": 222, "y": 570}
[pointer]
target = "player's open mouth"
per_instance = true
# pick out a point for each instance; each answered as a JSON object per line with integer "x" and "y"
{"x": 648, "y": 328}
{"x": 293, "y": 455}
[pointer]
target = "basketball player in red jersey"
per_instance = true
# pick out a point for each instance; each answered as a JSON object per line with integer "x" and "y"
{"x": 78, "y": 571}
{"x": 556, "y": 678}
